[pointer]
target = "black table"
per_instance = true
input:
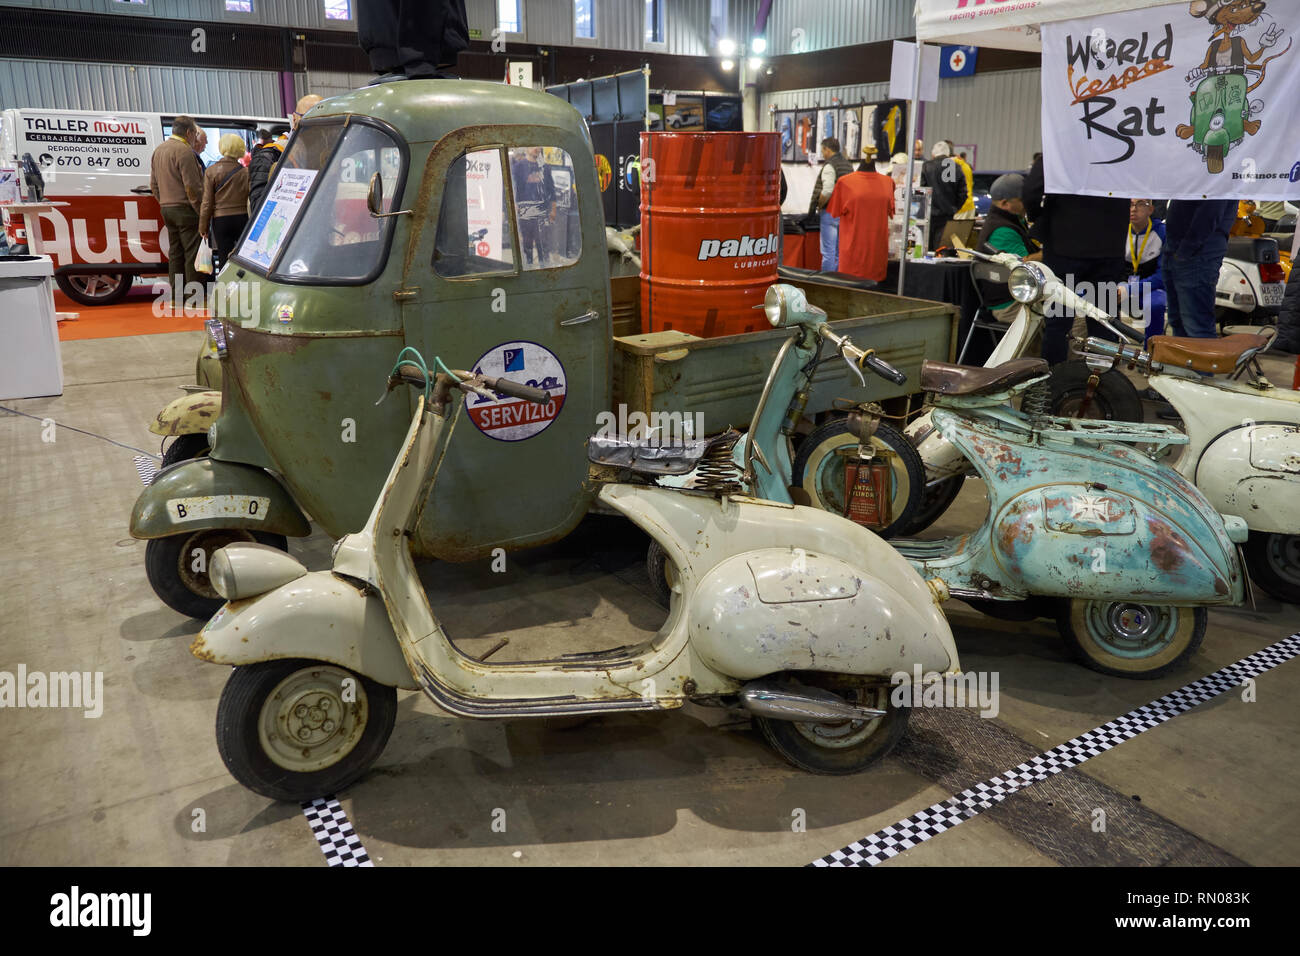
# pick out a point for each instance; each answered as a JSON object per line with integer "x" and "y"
{"x": 944, "y": 280}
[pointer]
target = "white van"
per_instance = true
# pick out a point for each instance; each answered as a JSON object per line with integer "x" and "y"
{"x": 111, "y": 231}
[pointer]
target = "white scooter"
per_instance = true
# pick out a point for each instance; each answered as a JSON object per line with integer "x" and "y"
{"x": 1037, "y": 289}
{"x": 1244, "y": 440}
{"x": 796, "y": 615}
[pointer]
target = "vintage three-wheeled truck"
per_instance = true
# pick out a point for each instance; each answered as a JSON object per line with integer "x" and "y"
{"x": 467, "y": 257}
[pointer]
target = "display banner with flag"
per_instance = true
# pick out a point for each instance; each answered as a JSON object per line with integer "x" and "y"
{"x": 957, "y": 61}
{"x": 1181, "y": 101}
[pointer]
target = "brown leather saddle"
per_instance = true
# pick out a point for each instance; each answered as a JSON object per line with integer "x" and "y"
{"x": 1204, "y": 355}
{"x": 945, "y": 379}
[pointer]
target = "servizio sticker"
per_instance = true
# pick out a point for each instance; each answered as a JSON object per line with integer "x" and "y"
{"x": 182, "y": 510}
{"x": 513, "y": 419}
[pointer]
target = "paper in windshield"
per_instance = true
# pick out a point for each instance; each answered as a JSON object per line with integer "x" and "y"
{"x": 276, "y": 216}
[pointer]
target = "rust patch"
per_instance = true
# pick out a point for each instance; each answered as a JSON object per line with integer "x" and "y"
{"x": 200, "y": 650}
{"x": 1168, "y": 548}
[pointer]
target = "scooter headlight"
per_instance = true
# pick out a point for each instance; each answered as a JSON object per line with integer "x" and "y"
{"x": 244, "y": 570}
{"x": 1026, "y": 283}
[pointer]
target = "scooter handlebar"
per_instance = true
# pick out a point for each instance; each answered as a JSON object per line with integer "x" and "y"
{"x": 411, "y": 374}
{"x": 515, "y": 390}
{"x": 884, "y": 369}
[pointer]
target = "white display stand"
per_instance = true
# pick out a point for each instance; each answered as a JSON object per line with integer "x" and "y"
{"x": 920, "y": 231}
{"x": 31, "y": 365}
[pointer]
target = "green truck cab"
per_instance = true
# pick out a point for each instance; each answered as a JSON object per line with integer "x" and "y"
{"x": 409, "y": 214}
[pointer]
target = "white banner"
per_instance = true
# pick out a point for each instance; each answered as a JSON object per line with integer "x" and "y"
{"x": 1166, "y": 103}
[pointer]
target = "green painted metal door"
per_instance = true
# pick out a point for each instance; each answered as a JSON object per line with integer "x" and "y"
{"x": 506, "y": 274}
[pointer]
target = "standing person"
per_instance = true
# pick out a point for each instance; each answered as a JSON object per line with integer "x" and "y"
{"x": 1145, "y": 289}
{"x": 834, "y": 165}
{"x": 948, "y": 189}
{"x": 415, "y": 39}
{"x": 535, "y": 201}
{"x": 263, "y": 159}
{"x": 1083, "y": 241}
{"x": 918, "y": 150}
{"x": 967, "y": 210}
{"x": 863, "y": 203}
{"x": 1288, "y": 317}
{"x": 200, "y": 147}
{"x": 177, "y": 185}
{"x": 224, "y": 211}
{"x": 1196, "y": 238}
{"x": 1005, "y": 230}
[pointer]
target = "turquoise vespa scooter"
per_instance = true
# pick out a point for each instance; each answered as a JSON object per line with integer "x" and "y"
{"x": 1084, "y": 525}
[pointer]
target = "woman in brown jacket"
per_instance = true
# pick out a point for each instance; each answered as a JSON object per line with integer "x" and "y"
{"x": 224, "y": 211}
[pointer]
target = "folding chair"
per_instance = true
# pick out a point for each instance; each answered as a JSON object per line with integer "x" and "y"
{"x": 985, "y": 272}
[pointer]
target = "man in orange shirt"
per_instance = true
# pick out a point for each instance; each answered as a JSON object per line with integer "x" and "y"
{"x": 864, "y": 204}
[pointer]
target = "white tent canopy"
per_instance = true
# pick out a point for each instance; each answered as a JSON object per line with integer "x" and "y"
{"x": 1006, "y": 24}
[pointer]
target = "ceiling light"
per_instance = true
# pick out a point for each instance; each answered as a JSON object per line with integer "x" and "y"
{"x": 728, "y": 65}
{"x": 758, "y": 45}
{"x": 727, "y": 46}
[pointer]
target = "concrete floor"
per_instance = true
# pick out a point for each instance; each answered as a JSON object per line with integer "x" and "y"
{"x": 143, "y": 784}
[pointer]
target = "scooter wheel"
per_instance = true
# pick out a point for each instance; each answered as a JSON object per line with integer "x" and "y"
{"x": 1274, "y": 564}
{"x": 1115, "y": 400}
{"x": 180, "y": 578}
{"x": 935, "y": 501}
{"x": 842, "y": 747}
{"x": 185, "y": 447}
{"x": 1128, "y": 639}
{"x": 287, "y": 729}
{"x": 819, "y": 471}
{"x": 661, "y": 573}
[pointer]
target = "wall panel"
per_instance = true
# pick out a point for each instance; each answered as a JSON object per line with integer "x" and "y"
{"x": 115, "y": 86}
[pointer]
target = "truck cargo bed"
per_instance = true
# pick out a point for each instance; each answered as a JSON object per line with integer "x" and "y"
{"x": 721, "y": 378}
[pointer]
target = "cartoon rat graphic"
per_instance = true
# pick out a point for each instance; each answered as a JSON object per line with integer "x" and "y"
{"x": 1229, "y": 53}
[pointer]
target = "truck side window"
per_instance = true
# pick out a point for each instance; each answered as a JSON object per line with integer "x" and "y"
{"x": 546, "y": 204}
{"x": 474, "y": 229}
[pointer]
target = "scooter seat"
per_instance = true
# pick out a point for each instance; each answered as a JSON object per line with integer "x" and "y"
{"x": 652, "y": 456}
{"x": 945, "y": 379}
{"x": 1205, "y": 355}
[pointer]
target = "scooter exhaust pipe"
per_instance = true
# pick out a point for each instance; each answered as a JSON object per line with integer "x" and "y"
{"x": 808, "y": 704}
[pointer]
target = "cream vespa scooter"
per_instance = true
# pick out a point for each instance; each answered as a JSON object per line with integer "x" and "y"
{"x": 796, "y": 615}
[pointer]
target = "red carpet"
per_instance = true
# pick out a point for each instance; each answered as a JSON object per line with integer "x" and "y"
{"x": 134, "y": 315}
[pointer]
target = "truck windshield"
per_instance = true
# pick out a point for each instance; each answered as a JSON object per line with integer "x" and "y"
{"x": 314, "y": 223}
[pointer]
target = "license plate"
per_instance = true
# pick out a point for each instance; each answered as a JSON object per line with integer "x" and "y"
{"x": 1273, "y": 292}
{"x": 182, "y": 510}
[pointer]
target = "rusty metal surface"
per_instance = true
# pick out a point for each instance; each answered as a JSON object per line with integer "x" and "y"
{"x": 190, "y": 414}
{"x": 1084, "y": 520}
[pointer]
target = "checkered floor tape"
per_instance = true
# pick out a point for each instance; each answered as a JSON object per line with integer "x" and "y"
{"x": 333, "y": 831}
{"x": 146, "y": 468}
{"x": 932, "y": 821}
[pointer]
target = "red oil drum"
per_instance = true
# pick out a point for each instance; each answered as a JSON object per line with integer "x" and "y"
{"x": 710, "y": 230}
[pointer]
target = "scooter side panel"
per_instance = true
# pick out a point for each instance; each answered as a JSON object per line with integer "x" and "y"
{"x": 737, "y": 630}
{"x": 1254, "y": 471}
{"x": 205, "y": 493}
{"x": 701, "y": 533}
{"x": 318, "y": 617}
{"x": 1058, "y": 502}
{"x": 1067, "y": 540}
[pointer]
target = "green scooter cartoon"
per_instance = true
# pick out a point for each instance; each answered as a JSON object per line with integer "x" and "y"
{"x": 1221, "y": 108}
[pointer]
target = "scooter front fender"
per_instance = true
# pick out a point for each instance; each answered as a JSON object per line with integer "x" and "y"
{"x": 319, "y": 616}
{"x": 190, "y": 414}
{"x": 205, "y": 493}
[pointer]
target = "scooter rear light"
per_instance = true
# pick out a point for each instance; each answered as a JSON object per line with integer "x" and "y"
{"x": 1270, "y": 272}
